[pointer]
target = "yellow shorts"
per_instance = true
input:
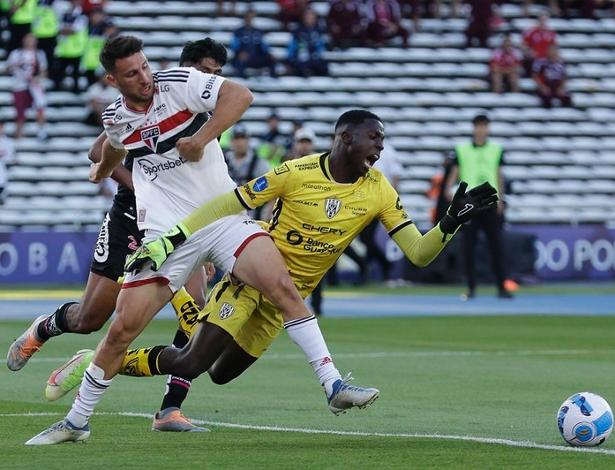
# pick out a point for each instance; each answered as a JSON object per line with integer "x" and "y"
{"x": 245, "y": 314}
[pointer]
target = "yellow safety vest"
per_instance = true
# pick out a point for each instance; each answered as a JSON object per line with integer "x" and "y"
{"x": 479, "y": 164}
{"x": 25, "y": 13}
{"x": 46, "y": 24}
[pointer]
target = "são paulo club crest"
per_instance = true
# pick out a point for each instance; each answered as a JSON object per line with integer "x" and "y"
{"x": 149, "y": 136}
{"x": 332, "y": 207}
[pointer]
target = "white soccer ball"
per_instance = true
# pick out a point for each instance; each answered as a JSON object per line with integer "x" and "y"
{"x": 585, "y": 419}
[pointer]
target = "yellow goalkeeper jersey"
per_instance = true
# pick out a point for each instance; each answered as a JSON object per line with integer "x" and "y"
{"x": 316, "y": 218}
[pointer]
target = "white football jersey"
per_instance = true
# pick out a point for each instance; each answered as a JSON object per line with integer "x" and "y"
{"x": 168, "y": 187}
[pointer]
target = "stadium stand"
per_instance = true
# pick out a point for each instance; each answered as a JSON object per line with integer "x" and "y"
{"x": 558, "y": 160}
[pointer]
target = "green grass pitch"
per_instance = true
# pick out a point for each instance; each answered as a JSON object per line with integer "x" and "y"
{"x": 473, "y": 377}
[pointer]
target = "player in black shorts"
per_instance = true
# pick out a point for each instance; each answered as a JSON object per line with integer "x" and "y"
{"x": 119, "y": 236}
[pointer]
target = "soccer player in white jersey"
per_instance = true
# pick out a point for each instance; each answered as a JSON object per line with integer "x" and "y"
{"x": 178, "y": 165}
{"x": 119, "y": 237}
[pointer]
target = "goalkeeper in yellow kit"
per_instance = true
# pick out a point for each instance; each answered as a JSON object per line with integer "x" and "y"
{"x": 323, "y": 203}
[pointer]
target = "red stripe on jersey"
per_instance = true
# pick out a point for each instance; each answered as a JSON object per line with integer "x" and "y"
{"x": 165, "y": 125}
{"x": 159, "y": 279}
{"x": 248, "y": 240}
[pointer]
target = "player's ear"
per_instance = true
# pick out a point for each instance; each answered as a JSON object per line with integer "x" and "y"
{"x": 110, "y": 79}
{"x": 346, "y": 137}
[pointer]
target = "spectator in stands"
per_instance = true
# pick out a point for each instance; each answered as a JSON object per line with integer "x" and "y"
{"x": 291, "y": 12}
{"x": 72, "y": 42}
{"x": 99, "y": 95}
{"x": 250, "y": 50}
{"x": 346, "y": 23}
{"x": 7, "y": 155}
{"x": 273, "y": 142}
{"x": 46, "y": 27}
{"x": 100, "y": 29}
{"x": 550, "y": 77}
{"x": 88, "y": 6}
{"x": 416, "y": 9}
{"x": 475, "y": 162}
{"x": 306, "y": 48}
{"x": 221, "y": 10}
{"x": 505, "y": 64}
{"x": 304, "y": 139}
{"x": 244, "y": 164}
{"x": 480, "y": 22}
{"x": 21, "y": 14}
{"x": 384, "y": 22}
{"x": 28, "y": 66}
{"x": 536, "y": 43}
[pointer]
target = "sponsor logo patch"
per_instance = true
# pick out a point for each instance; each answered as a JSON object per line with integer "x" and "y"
{"x": 278, "y": 170}
{"x": 260, "y": 184}
{"x": 332, "y": 207}
{"x": 101, "y": 252}
{"x": 226, "y": 310}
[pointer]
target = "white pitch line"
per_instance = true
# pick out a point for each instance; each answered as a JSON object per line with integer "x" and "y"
{"x": 420, "y": 353}
{"x": 448, "y": 437}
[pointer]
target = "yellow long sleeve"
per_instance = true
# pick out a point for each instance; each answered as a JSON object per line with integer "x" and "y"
{"x": 421, "y": 249}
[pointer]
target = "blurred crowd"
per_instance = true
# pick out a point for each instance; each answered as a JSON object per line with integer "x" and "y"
{"x": 54, "y": 44}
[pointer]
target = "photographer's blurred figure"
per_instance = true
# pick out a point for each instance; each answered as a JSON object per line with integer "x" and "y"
{"x": 478, "y": 161}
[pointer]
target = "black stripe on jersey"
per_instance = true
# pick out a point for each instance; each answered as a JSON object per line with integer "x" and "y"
{"x": 323, "y": 167}
{"x": 169, "y": 144}
{"x": 225, "y": 285}
{"x": 171, "y": 71}
{"x": 275, "y": 214}
{"x": 399, "y": 227}
{"x": 166, "y": 80}
{"x": 243, "y": 203}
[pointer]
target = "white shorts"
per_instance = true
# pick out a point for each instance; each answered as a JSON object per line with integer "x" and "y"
{"x": 220, "y": 242}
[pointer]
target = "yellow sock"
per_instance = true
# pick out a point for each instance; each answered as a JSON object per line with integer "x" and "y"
{"x": 137, "y": 362}
{"x": 187, "y": 311}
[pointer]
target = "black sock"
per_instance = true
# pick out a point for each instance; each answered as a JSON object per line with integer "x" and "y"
{"x": 55, "y": 324}
{"x": 177, "y": 387}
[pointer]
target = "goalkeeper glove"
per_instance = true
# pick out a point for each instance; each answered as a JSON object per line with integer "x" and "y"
{"x": 157, "y": 251}
{"x": 466, "y": 205}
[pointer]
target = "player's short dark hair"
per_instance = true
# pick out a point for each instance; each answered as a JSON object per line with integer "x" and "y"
{"x": 119, "y": 47}
{"x": 480, "y": 119}
{"x": 355, "y": 117}
{"x": 194, "y": 51}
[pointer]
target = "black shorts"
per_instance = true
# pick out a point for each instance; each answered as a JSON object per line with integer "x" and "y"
{"x": 119, "y": 236}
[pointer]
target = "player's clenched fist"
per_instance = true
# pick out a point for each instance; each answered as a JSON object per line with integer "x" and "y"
{"x": 190, "y": 149}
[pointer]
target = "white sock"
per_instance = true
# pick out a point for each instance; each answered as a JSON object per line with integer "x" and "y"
{"x": 90, "y": 393}
{"x": 306, "y": 333}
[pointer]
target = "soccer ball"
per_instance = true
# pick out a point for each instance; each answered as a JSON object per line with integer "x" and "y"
{"x": 585, "y": 419}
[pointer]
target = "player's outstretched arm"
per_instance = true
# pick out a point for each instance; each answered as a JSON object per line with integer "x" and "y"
{"x": 423, "y": 249}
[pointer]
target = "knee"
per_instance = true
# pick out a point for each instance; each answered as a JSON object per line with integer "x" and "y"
{"x": 121, "y": 333}
{"x": 283, "y": 287}
{"x": 218, "y": 376}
